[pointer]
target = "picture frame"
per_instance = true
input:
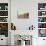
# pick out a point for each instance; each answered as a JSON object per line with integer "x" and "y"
{"x": 22, "y": 14}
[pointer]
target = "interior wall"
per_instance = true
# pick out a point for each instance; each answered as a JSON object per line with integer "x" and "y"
{"x": 23, "y": 24}
{"x": 31, "y": 7}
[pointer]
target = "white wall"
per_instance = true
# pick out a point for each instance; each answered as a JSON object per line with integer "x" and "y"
{"x": 23, "y": 24}
{"x": 31, "y": 6}
{"x": 32, "y": 9}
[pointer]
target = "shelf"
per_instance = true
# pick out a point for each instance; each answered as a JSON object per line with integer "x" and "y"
{"x": 3, "y": 16}
{"x": 3, "y": 10}
{"x": 41, "y": 28}
{"x": 3, "y": 22}
{"x": 4, "y": 19}
{"x": 41, "y": 22}
{"x": 42, "y": 19}
{"x": 41, "y": 10}
{"x": 42, "y": 16}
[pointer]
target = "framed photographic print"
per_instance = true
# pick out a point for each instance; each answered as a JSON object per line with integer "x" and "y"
{"x": 22, "y": 14}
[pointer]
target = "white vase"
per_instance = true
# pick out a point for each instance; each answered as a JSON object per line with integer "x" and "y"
{"x": 22, "y": 43}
